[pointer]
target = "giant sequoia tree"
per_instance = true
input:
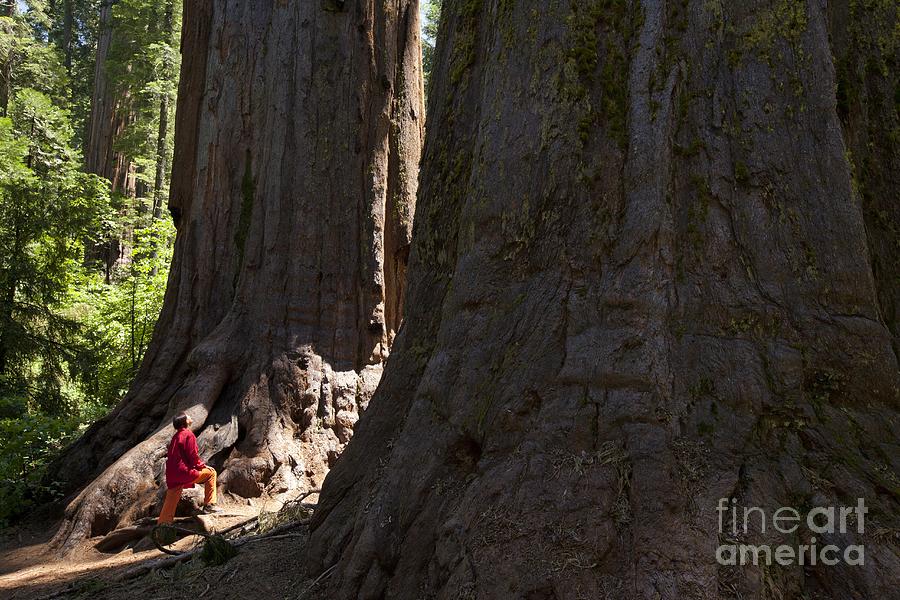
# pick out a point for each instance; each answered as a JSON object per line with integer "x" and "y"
{"x": 639, "y": 283}
{"x": 297, "y": 143}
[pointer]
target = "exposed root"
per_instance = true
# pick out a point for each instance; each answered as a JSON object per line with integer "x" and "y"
{"x": 275, "y": 431}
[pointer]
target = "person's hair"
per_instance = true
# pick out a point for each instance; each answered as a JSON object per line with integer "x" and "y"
{"x": 180, "y": 421}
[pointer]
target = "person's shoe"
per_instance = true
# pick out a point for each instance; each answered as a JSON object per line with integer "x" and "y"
{"x": 211, "y": 509}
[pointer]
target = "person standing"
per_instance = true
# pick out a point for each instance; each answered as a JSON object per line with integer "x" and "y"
{"x": 185, "y": 469}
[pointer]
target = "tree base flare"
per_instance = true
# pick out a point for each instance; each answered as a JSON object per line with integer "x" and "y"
{"x": 273, "y": 440}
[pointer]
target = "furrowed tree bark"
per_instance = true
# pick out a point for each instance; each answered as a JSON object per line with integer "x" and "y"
{"x": 297, "y": 132}
{"x": 639, "y": 283}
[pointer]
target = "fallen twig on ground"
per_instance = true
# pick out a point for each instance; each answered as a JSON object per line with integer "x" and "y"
{"x": 171, "y": 561}
{"x": 321, "y": 577}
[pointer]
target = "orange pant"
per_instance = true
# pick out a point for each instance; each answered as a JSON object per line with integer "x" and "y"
{"x": 207, "y": 477}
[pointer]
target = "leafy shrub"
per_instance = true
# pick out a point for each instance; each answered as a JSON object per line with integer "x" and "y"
{"x": 27, "y": 444}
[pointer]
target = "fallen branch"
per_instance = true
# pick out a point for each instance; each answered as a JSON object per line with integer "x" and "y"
{"x": 171, "y": 561}
{"x": 162, "y": 547}
{"x": 269, "y": 538}
{"x": 244, "y": 524}
{"x": 239, "y": 525}
{"x": 254, "y": 520}
{"x": 321, "y": 577}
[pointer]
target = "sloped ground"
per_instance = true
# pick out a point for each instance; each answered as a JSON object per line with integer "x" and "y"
{"x": 270, "y": 568}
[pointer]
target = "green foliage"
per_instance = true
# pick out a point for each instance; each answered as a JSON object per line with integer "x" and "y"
{"x": 431, "y": 14}
{"x": 48, "y": 207}
{"x": 72, "y": 338}
{"x": 142, "y": 68}
{"x": 78, "y": 48}
{"x": 217, "y": 551}
{"x": 27, "y": 444}
{"x": 28, "y": 63}
{"x": 50, "y": 47}
{"x": 118, "y": 319}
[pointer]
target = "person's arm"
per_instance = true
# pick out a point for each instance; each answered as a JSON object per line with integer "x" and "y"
{"x": 193, "y": 453}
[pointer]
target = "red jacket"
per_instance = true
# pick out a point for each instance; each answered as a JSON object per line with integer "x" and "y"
{"x": 183, "y": 462}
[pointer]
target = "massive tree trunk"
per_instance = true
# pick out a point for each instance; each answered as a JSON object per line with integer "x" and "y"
{"x": 639, "y": 284}
{"x": 297, "y": 143}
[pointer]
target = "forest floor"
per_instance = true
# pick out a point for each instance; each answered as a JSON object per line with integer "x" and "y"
{"x": 270, "y": 568}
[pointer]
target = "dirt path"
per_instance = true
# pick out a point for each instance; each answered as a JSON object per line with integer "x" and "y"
{"x": 29, "y": 571}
